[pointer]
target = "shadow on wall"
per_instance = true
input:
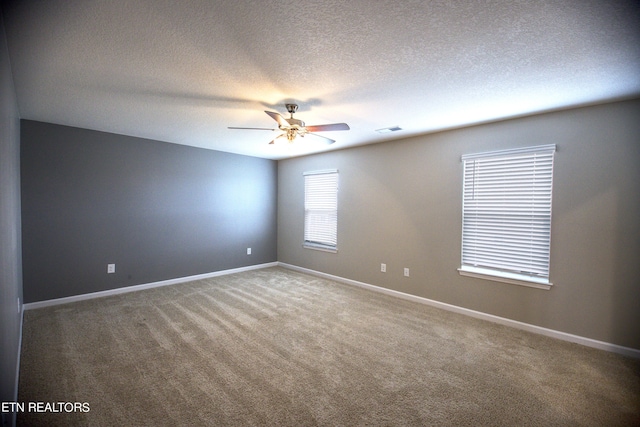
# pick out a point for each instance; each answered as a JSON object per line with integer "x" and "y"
{"x": 596, "y": 225}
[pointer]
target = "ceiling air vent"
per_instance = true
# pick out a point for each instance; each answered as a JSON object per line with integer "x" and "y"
{"x": 389, "y": 130}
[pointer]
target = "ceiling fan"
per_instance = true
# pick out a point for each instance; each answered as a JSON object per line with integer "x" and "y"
{"x": 293, "y": 127}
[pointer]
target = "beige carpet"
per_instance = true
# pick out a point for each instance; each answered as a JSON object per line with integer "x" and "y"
{"x": 274, "y": 347}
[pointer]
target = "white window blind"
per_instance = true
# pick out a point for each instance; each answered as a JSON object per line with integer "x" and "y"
{"x": 321, "y": 209}
{"x": 506, "y": 213}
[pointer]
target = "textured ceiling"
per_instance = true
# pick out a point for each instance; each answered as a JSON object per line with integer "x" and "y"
{"x": 183, "y": 71}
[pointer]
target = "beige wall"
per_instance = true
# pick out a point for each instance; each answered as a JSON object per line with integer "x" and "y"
{"x": 400, "y": 203}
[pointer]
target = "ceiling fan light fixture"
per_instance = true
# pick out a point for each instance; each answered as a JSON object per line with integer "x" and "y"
{"x": 291, "y": 134}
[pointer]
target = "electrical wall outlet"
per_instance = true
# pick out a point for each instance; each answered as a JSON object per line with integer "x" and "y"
{"x": 111, "y": 268}
{"x": 406, "y": 272}
{"x": 248, "y": 251}
{"x": 383, "y": 268}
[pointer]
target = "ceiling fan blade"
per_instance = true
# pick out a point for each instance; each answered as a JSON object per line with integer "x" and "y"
{"x": 233, "y": 127}
{"x": 324, "y": 138}
{"x": 278, "y": 118}
{"x": 330, "y": 127}
{"x": 279, "y": 136}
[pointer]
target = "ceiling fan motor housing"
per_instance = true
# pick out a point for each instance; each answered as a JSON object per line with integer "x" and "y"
{"x": 295, "y": 122}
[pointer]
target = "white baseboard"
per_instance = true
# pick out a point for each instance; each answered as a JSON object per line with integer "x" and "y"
{"x": 601, "y": 345}
{"x": 12, "y": 416}
{"x": 626, "y": 351}
{"x": 100, "y": 294}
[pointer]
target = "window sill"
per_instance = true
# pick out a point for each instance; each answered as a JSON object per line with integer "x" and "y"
{"x": 320, "y": 248}
{"x": 498, "y": 276}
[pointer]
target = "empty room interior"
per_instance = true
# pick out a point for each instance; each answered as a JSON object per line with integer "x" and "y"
{"x": 436, "y": 222}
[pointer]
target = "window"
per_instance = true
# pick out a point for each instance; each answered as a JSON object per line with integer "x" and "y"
{"x": 506, "y": 215}
{"x": 321, "y": 210}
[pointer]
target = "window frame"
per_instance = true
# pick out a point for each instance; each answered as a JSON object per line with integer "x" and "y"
{"x": 539, "y": 192}
{"x": 326, "y": 239}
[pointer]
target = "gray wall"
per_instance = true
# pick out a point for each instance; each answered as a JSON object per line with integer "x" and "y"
{"x": 10, "y": 252}
{"x": 157, "y": 210}
{"x": 400, "y": 203}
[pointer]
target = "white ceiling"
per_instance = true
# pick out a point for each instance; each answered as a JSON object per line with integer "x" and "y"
{"x": 183, "y": 71}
